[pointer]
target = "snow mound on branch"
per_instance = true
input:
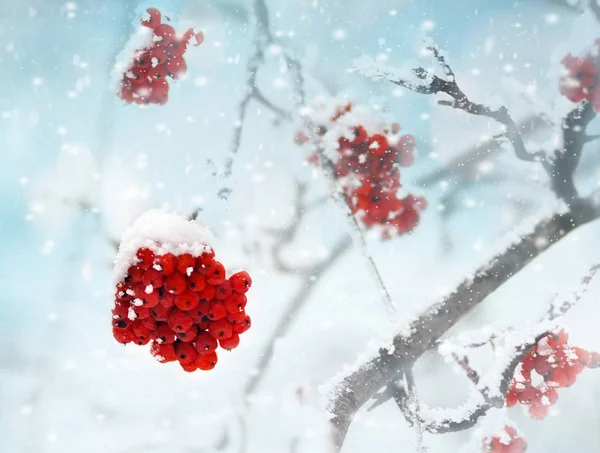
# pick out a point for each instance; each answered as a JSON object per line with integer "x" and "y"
{"x": 162, "y": 232}
{"x": 376, "y": 70}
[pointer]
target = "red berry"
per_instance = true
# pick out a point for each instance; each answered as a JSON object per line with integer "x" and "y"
{"x": 186, "y": 264}
{"x": 179, "y": 321}
{"x": 141, "y": 312}
{"x": 240, "y": 328}
{"x": 188, "y": 367}
{"x": 360, "y": 135}
{"x": 240, "y": 282}
{"x": 558, "y": 338}
{"x": 175, "y": 283}
{"x": 558, "y": 377}
{"x": 236, "y": 318}
{"x": 158, "y": 56}
{"x": 217, "y": 311}
{"x": 160, "y": 312}
{"x": 594, "y": 360}
{"x": 121, "y": 324}
{"x": 186, "y": 353}
{"x": 187, "y": 300}
{"x": 134, "y": 274}
{"x": 150, "y": 323}
{"x": 153, "y": 277}
{"x": 231, "y": 342}
{"x": 551, "y": 394}
{"x": 176, "y": 66}
{"x": 167, "y": 300}
{"x": 205, "y": 260}
{"x": 207, "y": 294}
{"x": 145, "y": 258}
{"x": 202, "y": 310}
{"x": 220, "y": 329}
{"x": 146, "y": 296}
{"x": 167, "y": 263}
{"x": 164, "y": 334}
{"x": 163, "y": 352}
{"x": 153, "y": 19}
{"x": 511, "y": 398}
{"x": 188, "y": 335}
{"x": 528, "y": 362}
{"x": 165, "y": 34}
{"x": 235, "y": 303}
{"x": 123, "y": 336}
{"x": 542, "y": 365}
{"x": 196, "y": 282}
{"x": 538, "y": 411}
{"x": 583, "y": 356}
{"x": 205, "y": 343}
{"x": 378, "y": 144}
{"x": 206, "y": 361}
{"x": 216, "y": 274}
{"x": 528, "y": 395}
{"x": 223, "y": 291}
{"x": 199, "y": 38}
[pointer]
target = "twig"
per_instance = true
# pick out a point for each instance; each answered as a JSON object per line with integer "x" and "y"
{"x": 262, "y": 39}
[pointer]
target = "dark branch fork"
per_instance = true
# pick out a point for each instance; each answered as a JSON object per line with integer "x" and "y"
{"x": 353, "y": 391}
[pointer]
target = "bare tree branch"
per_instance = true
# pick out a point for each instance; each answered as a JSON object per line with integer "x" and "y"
{"x": 307, "y": 286}
{"x": 262, "y": 39}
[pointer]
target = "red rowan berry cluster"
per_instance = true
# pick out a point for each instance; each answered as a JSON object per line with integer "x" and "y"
{"x": 183, "y": 304}
{"x": 145, "y": 79}
{"x": 558, "y": 365}
{"x": 367, "y": 161}
{"x": 506, "y": 441}
{"x": 582, "y": 78}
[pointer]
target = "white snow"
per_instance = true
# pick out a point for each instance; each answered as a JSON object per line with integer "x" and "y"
{"x": 162, "y": 232}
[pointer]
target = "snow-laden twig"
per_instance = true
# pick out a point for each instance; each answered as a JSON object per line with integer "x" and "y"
{"x": 425, "y": 82}
{"x": 356, "y": 387}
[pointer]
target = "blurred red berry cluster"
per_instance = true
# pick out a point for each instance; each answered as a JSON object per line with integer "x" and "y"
{"x": 582, "y": 78}
{"x": 558, "y": 365}
{"x": 367, "y": 167}
{"x": 183, "y": 305}
{"x": 145, "y": 81}
{"x": 506, "y": 441}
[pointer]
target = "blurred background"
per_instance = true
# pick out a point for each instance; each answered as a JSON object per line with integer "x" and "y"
{"x": 78, "y": 166}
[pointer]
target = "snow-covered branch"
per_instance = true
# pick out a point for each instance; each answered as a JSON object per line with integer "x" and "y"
{"x": 356, "y": 388}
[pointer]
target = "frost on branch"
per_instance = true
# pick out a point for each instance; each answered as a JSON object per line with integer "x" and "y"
{"x": 152, "y": 55}
{"x": 172, "y": 292}
{"x": 364, "y": 157}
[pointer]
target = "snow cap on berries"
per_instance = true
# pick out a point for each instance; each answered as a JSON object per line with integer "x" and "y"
{"x": 161, "y": 232}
